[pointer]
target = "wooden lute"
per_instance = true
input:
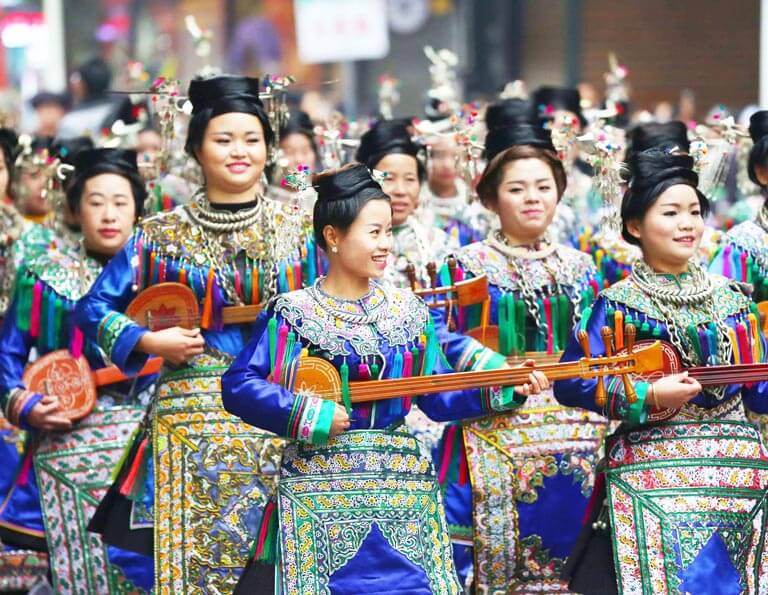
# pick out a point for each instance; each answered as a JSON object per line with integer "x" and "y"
{"x": 671, "y": 364}
{"x": 319, "y": 377}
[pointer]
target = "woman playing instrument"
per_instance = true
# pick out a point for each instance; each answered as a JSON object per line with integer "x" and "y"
{"x": 522, "y": 501}
{"x": 105, "y": 196}
{"x": 685, "y": 473}
{"x": 233, "y": 249}
{"x": 378, "y": 522}
{"x": 388, "y": 147}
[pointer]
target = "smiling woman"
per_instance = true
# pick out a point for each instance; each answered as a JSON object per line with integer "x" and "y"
{"x": 231, "y": 247}
{"x": 389, "y": 148}
{"x": 673, "y": 421}
{"x": 370, "y": 485}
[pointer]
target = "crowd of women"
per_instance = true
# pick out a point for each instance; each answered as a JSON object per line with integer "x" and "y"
{"x": 431, "y": 367}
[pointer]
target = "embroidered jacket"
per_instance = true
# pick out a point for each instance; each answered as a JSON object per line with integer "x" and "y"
{"x": 624, "y": 303}
{"x": 386, "y": 334}
{"x": 743, "y": 256}
{"x": 274, "y": 255}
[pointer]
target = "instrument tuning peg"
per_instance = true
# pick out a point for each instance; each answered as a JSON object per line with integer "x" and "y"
{"x": 432, "y": 272}
{"x": 583, "y": 337}
{"x": 410, "y": 271}
{"x": 630, "y": 333}
{"x": 607, "y": 335}
{"x": 452, "y": 269}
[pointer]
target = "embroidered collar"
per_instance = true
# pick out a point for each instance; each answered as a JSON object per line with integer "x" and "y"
{"x": 340, "y": 327}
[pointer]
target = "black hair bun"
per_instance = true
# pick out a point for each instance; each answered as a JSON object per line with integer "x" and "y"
{"x": 665, "y": 135}
{"x": 384, "y": 138}
{"x": 654, "y": 166}
{"x": 211, "y": 92}
{"x": 758, "y": 125}
{"x": 88, "y": 159}
{"x": 68, "y": 149}
{"x": 550, "y": 99}
{"x": 506, "y": 113}
{"x": 298, "y": 122}
{"x": 516, "y": 134}
{"x": 347, "y": 182}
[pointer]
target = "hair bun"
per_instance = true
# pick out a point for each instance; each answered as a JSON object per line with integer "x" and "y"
{"x": 383, "y": 138}
{"x": 653, "y": 166}
{"x": 88, "y": 159}
{"x": 519, "y": 133}
{"x": 506, "y": 113}
{"x": 345, "y": 183}
{"x": 211, "y": 92}
{"x": 758, "y": 125}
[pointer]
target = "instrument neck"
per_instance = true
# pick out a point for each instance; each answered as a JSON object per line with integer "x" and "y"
{"x": 731, "y": 374}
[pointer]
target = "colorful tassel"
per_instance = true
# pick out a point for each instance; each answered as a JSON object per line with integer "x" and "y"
{"x": 34, "y": 322}
{"x": 272, "y": 334}
{"x": 282, "y": 338}
{"x": 548, "y": 320}
{"x": 76, "y": 344}
{"x": 407, "y": 373}
{"x": 26, "y": 465}
{"x": 345, "y": 396}
{"x": 618, "y": 329}
{"x": 129, "y": 482}
{"x": 445, "y": 462}
{"x": 266, "y": 544}
{"x": 207, "y": 318}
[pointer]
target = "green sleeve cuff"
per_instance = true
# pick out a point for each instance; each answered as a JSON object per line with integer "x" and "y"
{"x": 498, "y": 399}
{"x": 637, "y": 413}
{"x": 324, "y": 422}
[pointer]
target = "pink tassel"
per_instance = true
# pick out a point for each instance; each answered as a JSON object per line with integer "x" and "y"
{"x": 282, "y": 336}
{"x": 238, "y": 285}
{"x": 76, "y": 345}
{"x": 26, "y": 466}
{"x": 34, "y": 322}
{"x": 407, "y": 373}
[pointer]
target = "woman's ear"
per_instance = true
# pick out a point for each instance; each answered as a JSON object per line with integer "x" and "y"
{"x": 331, "y": 235}
{"x": 634, "y": 229}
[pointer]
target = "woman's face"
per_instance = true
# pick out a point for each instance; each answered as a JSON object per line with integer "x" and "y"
{"x": 401, "y": 184}
{"x": 363, "y": 248}
{"x": 671, "y": 230}
{"x": 32, "y": 183}
{"x": 233, "y": 152}
{"x": 297, "y": 149}
{"x": 526, "y": 199}
{"x": 442, "y": 162}
{"x": 107, "y": 213}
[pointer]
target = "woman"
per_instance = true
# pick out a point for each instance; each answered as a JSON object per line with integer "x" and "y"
{"x": 298, "y": 148}
{"x": 231, "y": 247}
{"x": 388, "y": 147}
{"x": 106, "y": 196}
{"x": 369, "y": 502}
{"x": 671, "y": 467}
{"x": 524, "y": 497}
{"x": 34, "y": 166}
{"x": 444, "y": 201}
{"x": 743, "y": 255}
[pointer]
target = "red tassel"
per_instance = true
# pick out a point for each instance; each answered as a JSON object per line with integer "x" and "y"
{"x": 76, "y": 345}
{"x": 133, "y": 473}
{"x": 463, "y": 471}
{"x": 267, "y": 533}
{"x": 161, "y": 271}
{"x": 445, "y": 463}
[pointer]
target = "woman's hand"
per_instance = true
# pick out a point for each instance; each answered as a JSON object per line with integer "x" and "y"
{"x": 175, "y": 345}
{"x": 672, "y": 392}
{"x": 45, "y": 415}
{"x": 340, "y": 423}
{"x": 537, "y": 381}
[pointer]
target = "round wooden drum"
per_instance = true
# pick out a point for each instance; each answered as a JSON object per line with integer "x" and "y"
{"x": 69, "y": 379}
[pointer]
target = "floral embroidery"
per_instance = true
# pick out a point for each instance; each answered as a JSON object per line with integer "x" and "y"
{"x": 400, "y": 318}
{"x": 110, "y": 329}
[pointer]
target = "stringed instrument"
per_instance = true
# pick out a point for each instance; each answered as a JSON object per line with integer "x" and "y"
{"x": 166, "y": 305}
{"x": 73, "y": 382}
{"x": 319, "y": 377}
{"x": 671, "y": 364}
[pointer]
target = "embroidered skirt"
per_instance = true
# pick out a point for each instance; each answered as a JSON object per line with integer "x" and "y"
{"x": 688, "y": 506}
{"x": 532, "y": 473}
{"x": 213, "y": 476}
{"x": 74, "y": 471}
{"x": 363, "y": 515}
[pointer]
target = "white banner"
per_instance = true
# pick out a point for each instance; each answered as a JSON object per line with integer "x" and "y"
{"x": 341, "y": 30}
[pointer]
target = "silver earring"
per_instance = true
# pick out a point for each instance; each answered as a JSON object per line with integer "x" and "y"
{"x": 334, "y": 249}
